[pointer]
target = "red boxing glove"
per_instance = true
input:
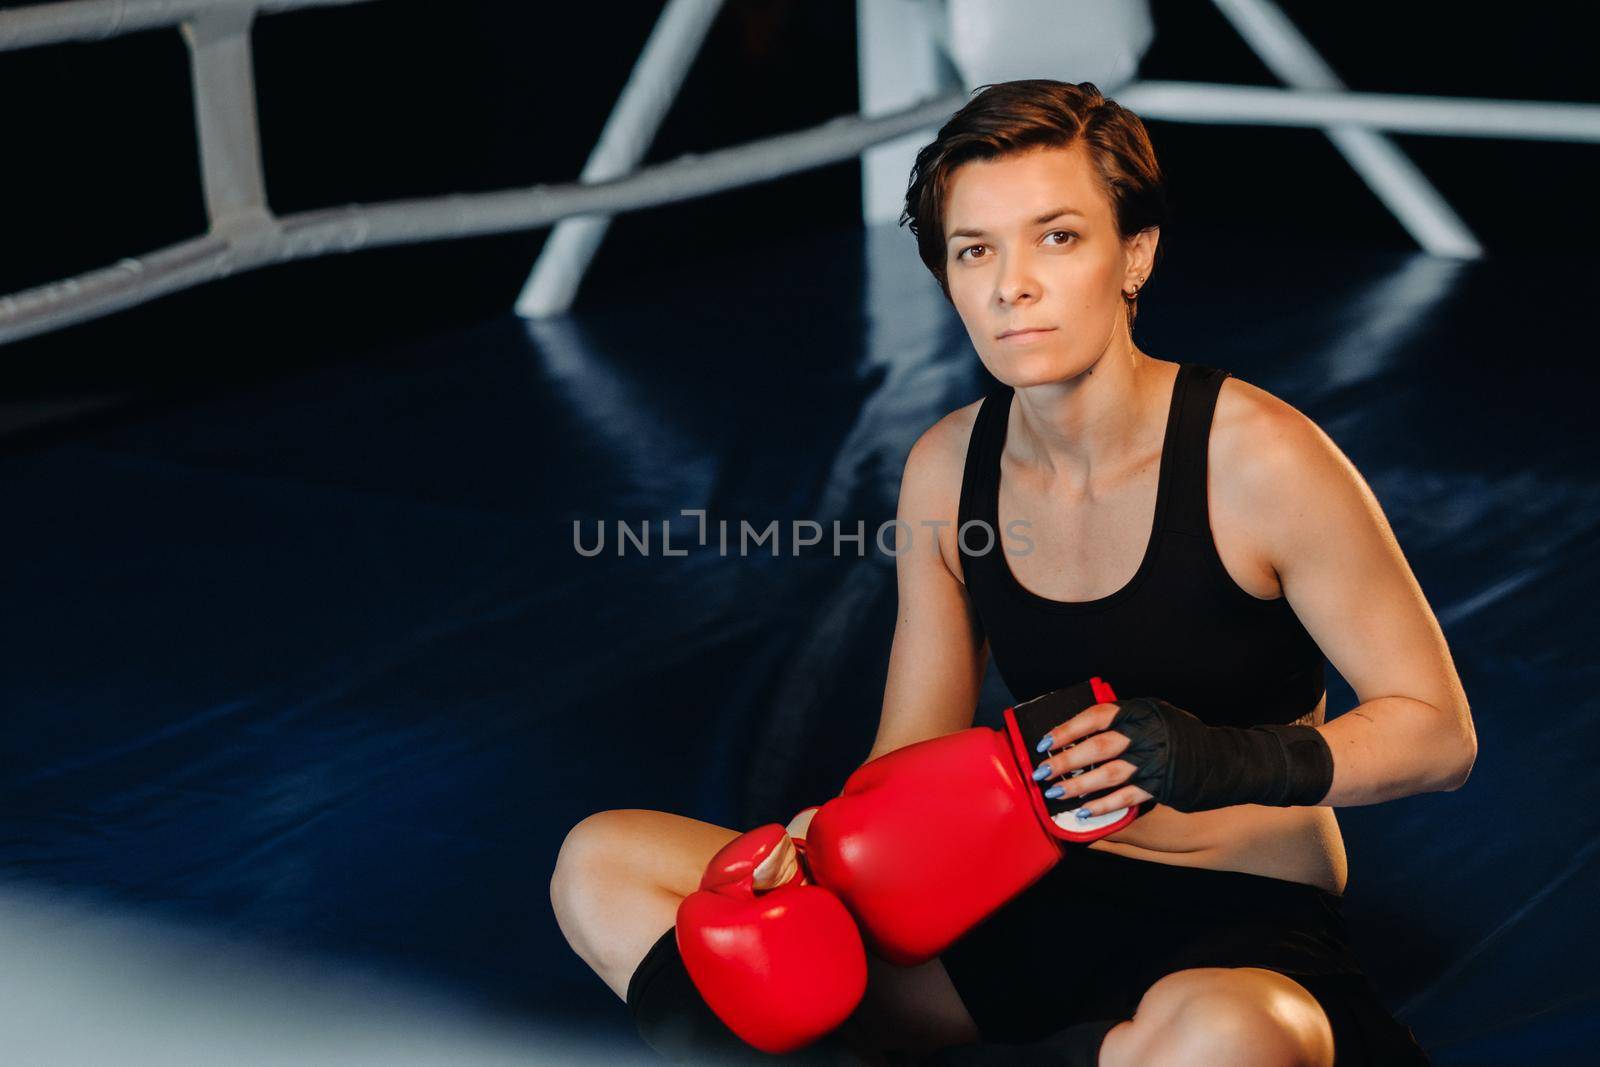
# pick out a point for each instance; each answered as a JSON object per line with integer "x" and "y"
{"x": 779, "y": 960}
{"x": 928, "y": 840}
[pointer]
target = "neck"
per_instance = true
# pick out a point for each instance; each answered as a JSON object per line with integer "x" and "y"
{"x": 1083, "y": 426}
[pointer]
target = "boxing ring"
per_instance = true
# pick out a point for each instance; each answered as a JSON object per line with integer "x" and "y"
{"x": 303, "y": 681}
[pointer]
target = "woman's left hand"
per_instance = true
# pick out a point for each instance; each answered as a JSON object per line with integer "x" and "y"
{"x": 1166, "y": 754}
{"x": 1087, "y": 740}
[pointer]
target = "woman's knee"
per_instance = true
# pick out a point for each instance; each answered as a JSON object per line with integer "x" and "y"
{"x": 622, "y": 868}
{"x": 591, "y": 845}
{"x": 607, "y": 904}
{"x": 655, "y": 848}
{"x": 1233, "y": 1016}
{"x": 611, "y": 875}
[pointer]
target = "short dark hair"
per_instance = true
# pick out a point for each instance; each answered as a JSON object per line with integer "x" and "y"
{"x": 1017, "y": 116}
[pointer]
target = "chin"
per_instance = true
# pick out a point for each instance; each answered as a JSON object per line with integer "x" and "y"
{"x": 1021, "y": 369}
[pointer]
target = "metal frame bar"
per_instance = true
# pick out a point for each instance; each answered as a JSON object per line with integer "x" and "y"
{"x": 223, "y": 77}
{"x": 1388, "y": 172}
{"x": 651, "y": 88}
{"x": 96, "y": 20}
{"x": 1524, "y": 120}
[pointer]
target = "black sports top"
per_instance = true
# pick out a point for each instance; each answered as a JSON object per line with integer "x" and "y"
{"x": 1181, "y": 629}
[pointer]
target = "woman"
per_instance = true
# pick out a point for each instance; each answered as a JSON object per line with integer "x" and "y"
{"x": 1184, "y": 534}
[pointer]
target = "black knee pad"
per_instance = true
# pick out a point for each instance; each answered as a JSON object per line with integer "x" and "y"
{"x": 1076, "y": 1046}
{"x": 674, "y": 1020}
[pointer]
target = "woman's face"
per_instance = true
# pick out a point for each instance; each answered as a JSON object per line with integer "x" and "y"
{"x": 1031, "y": 244}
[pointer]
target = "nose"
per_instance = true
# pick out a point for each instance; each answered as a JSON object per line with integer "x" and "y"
{"x": 1016, "y": 283}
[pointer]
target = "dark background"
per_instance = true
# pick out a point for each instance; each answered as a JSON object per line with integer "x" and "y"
{"x": 397, "y": 98}
{"x": 298, "y": 653}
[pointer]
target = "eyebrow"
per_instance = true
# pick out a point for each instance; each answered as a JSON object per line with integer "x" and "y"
{"x": 1039, "y": 220}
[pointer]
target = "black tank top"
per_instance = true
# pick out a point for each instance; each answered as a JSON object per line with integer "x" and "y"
{"x": 1181, "y": 629}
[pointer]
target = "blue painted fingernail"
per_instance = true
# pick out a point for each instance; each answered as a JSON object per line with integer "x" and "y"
{"x": 1055, "y": 792}
{"x": 1041, "y": 772}
{"x": 1083, "y": 813}
{"x": 1044, "y": 744}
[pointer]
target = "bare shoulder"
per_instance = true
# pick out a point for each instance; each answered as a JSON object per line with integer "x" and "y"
{"x": 1262, "y": 444}
{"x": 938, "y": 458}
{"x": 1281, "y": 488}
{"x": 930, "y": 490}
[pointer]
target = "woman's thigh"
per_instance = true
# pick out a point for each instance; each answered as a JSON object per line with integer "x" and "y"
{"x": 618, "y": 880}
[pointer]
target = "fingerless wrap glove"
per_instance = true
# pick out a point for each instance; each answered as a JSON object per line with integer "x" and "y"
{"x": 1190, "y": 766}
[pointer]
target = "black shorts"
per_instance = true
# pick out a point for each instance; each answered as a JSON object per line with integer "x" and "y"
{"x": 1133, "y": 921}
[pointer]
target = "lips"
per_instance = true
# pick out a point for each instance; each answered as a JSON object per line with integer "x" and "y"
{"x": 1027, "y": 329}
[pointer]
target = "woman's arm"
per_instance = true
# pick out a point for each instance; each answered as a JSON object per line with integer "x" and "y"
{"x": 1344, "y": 574}
{"x": 937, "y": 660}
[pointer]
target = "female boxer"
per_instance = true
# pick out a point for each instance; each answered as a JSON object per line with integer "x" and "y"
{"x": 1191, "y": 538}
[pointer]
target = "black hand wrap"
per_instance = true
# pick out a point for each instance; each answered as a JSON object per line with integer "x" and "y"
{"x": 1190, "y": 766}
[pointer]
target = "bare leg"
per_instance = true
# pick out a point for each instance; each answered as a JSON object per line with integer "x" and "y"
{"x": 619, "y": 878}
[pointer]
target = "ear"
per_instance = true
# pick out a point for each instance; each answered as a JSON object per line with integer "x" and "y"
{"x": 1140, "y": 252}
